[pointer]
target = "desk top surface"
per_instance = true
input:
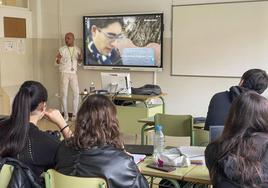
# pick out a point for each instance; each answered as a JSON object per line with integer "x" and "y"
{"x": 150, "y": 121}
{"x": 130, "y": 97}
{"x": 137, "y": 97}
{"x": 178, "y": 174}
{"x": 193, "y": 173}
{"x": 198, "y": 174}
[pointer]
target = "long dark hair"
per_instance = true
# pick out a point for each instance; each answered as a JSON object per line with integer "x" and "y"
{"x": 96, "y": 124}
{"x": 244, "y": 140}
{"x": 15, "y": 129}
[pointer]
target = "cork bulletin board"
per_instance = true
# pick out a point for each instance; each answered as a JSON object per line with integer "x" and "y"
{"x": 14, "y": 27}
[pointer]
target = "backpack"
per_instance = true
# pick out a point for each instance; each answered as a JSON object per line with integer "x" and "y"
{"x": 148, "y": 89}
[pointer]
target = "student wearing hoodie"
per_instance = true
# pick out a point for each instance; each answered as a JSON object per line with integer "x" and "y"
{"x": 253, "y": 79}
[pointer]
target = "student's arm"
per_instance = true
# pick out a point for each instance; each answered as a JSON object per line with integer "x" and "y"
{"x": 55, "y": 116}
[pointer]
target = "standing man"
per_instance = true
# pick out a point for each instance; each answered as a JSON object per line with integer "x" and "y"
{"x": 67, "y": 58}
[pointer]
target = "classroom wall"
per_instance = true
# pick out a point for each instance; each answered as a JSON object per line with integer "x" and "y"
{"x": 186, "y": 95}
{"x": 16, "y": 57}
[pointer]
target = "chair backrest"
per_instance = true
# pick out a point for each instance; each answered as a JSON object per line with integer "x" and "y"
{"x": 54, "y": 179}
{"x": 215, "y": 132}
{"x": 175, "y": 125}
{"x": 5, "y": 175}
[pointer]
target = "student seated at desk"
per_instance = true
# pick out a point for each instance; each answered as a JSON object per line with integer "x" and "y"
{"x": 20, "y": 137}
{"x": 239, "y": 157}
{"x": 96, "y": 149}
{"x": 252, "y": 80}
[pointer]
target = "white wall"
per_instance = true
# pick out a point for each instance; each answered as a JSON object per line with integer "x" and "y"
{"x": 16, "y": 65}
{"x": 8, "y": 11}
{"x": 185, "y": 94}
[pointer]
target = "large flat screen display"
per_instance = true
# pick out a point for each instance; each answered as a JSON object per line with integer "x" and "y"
{"x": 123, "y": 41}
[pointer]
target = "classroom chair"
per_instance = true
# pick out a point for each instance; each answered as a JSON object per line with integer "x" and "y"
{"x": 54, "y": 179}
{"x": 175, "y": 125}
{"x": 5, "y": 175}
{"x": 200, "y": 137}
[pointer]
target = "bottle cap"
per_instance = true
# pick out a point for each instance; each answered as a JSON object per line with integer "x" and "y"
{"x": 158, "y": 128}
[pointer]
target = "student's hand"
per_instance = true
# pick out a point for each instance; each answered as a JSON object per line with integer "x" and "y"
{"x": 55, "y": 116}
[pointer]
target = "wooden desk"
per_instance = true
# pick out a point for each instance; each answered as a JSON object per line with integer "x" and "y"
{"x": 178, "y": 174}
{"x": 141, "y": 98}
{"x": 198, "y": 174}
{"x": 193, "y": 173}
{"x": 150, "y": 121}
{"x": 148, "y": 125}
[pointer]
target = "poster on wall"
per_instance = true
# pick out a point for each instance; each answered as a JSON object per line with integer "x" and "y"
{"x": 10, "y": 46}
{"x": 21, "y": 46}
{"x": 17, "y": 46}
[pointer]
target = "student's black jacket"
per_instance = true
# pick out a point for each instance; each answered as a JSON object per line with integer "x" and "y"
{"x": 22, "y": 176}
{"x": 114, "y": 165}
{"x": 39, "y": 151}
{"x": 219, "y": 106}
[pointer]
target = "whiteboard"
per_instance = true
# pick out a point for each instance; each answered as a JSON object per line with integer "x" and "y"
{"x": 219, "y": 39}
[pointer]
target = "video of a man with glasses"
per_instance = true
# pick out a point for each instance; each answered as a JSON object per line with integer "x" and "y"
{"x": 126, "y": 40}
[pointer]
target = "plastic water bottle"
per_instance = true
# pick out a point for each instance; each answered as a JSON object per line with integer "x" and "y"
{"x": 92, "y": 87}
{"x": 159, "y": 141}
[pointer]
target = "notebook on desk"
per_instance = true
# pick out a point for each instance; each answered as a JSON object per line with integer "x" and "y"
{"x": 139, "y": 149}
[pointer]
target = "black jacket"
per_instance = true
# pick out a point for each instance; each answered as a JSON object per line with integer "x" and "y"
{"x": 118, "y": 168}
{"x": 220, "y": 104}
{"x": 39, "y": 151}
{"x": 22, "y": 176}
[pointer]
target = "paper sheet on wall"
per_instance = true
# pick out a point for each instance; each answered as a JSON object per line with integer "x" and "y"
{"x": 21, "y": 46}
{"x": 10, "y": 46}
{"x": 17, "y": 46}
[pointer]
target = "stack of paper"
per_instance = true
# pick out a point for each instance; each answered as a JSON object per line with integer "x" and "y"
{"x": 138, "y": 157}
{"x": 195, "y": 153}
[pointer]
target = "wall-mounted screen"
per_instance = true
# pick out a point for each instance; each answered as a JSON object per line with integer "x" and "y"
{"x": 123, "y": 41}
